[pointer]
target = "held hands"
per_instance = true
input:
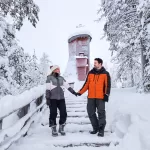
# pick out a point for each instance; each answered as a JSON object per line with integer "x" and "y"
{"x": 77, "y": 94}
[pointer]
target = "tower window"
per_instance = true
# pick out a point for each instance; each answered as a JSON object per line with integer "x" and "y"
{"x": 133, "y": 6}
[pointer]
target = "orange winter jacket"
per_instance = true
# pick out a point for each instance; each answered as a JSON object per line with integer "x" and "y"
{"x": 98, "y": 83}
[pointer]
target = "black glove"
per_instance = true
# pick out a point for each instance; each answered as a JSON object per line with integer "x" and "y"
{"x": 75, "y": 93}
{"x": 78, "y": 94}
{"x": 48, "y": 102}
{"x": 72, "y": 91}
{"x": 106, "y": 98}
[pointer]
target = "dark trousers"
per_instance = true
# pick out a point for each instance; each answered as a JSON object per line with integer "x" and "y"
{"x": 60, "y": 104}
{"x": 92, "y": 106}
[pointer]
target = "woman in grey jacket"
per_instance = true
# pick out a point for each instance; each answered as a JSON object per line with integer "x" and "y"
{"x": 55, "y": 99}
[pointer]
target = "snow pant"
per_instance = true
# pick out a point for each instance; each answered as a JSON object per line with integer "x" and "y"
{"x": 60, "y": 104}
{"x": 92, "y": 106}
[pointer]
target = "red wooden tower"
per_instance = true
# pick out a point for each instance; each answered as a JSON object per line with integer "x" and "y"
{"x": 79, "y": 47}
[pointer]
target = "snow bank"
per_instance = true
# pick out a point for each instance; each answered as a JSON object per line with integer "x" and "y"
{"x": 11, "y": 103}
{"x": 128, "y": 115}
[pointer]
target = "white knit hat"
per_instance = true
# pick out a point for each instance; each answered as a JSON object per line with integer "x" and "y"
{"x": 54, "y": 67}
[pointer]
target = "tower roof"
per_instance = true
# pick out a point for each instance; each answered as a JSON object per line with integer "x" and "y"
{"x": 79, "y": 35}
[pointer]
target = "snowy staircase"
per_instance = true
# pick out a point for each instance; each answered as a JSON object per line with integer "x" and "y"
{"x": 77, "y": 132}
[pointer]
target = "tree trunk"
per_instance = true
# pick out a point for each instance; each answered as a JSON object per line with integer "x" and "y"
{"x": 132, "y": 80}
{"x": 144, "y": 61}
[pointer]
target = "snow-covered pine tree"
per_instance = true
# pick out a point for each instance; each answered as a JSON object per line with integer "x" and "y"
{"x": 44, "y": 67}
{"x": 19, "y": 10}
{"x": 7, "y": 41}
{"x": 27, "y": 76}
{"x": 17, "y": 64}
{"x": 31, "y": 74}
{"x": 34, "y": 71}
{"x": 113, "y": 76}
{"x": 122, "y": 27}
{"x": 18, "y": 71}
{"x": 144, "y": 38}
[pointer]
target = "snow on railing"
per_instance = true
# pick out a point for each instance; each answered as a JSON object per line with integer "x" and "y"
{"x": 24, "y": 106}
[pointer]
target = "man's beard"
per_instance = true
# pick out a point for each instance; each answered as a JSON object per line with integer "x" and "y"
{"x": 95, "y": 67}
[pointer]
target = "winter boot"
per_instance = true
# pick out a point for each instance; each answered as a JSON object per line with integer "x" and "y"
{"x": 101, "y": 131}
{"x": 54, "y": 131}
{"x": 94, "y": 131}
{"x": 61, "y": 129}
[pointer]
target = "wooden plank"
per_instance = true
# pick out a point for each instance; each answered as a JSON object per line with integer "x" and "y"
{"x": 1, "y": 123}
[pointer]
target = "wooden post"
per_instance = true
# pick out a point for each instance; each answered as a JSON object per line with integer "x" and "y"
{"x": 1, "y": 123}
{"x": 39, "y": 101}
{"x": 23, "y": 111}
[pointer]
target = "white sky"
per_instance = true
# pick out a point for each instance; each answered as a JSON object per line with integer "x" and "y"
{"x": 58, "y": 19}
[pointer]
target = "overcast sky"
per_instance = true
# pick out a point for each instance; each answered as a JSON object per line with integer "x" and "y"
{"x": 58, "y": 19}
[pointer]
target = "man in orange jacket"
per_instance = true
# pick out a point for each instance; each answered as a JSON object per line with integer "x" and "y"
{"x": 98, "y": 84}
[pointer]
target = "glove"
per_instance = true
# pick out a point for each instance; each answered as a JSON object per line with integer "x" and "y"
{"x": 106, "y": 98}
{"x": 48, "y": 102}
{"x": 78, "y": 94}
{"x": 75, "y": 93}
{"x": 72, "y": 91}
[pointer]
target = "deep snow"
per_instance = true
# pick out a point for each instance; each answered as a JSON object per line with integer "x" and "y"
{"x": 127, "y": 117}
{"x": 77, "y": 129}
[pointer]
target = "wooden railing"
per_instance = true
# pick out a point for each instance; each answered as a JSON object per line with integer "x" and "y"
{"x": 19, "y": 129}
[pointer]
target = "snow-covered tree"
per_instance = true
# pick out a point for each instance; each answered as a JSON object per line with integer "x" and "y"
{"x": 19, "y": 10}
{"x": 32, "y": 71}
{"x": 7, "y": 41}
{"x": 18, "y": 70}
{"x": 122, "y": 28}
{"x": 144, "y": 38}
{"x": 17, "y": 64}
{"x": 44, "y": 67}
{"x": 26, "y": 74}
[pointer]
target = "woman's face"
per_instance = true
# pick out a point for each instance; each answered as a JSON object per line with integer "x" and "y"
{"x": 57, "y": 70}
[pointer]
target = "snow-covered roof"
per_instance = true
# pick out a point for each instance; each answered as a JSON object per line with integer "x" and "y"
{"x": 79, "y": 34}
{"x": 81, "y": 57}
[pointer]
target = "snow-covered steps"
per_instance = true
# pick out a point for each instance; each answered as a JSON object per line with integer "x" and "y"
{"x": 77, "y": 132}
{"x": 76, "y": 106}
{"x": 81, "y": 120}
{"x": 41, "y": 137}
{"x": 77, "y": 114}
{"x": 76, "y": 103}
{"x": 83, "y": 139}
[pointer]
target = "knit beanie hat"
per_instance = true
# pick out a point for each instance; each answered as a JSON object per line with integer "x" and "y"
{"x": 53, "y": 68}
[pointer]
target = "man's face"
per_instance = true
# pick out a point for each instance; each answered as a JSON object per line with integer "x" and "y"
{"x": 57, "y": 70}
{"x": 97, "y": 65}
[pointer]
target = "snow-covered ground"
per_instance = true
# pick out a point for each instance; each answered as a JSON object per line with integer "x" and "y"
{"x": 14, "y": 126}
{"x": 127, "y": 116}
